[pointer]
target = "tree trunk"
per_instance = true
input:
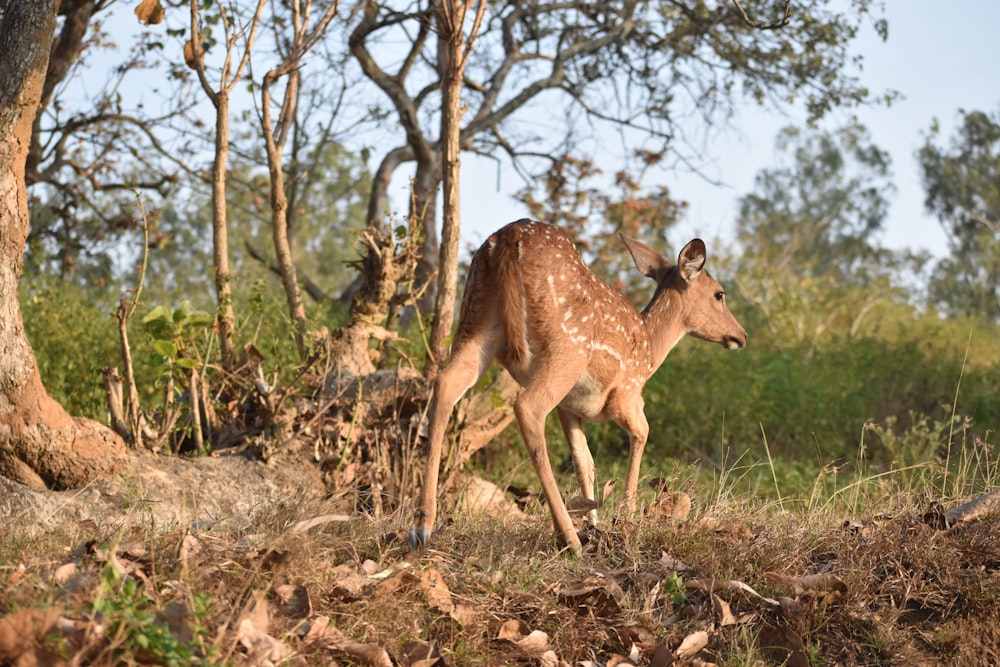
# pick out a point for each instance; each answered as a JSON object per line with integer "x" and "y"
{"x": 40, "y": 445}
{"x": 450, "y": 52}
{"x": 279, "y": 207}
{"x": 220, "y": 231}
{"x": 423, "y": 211}
{"x": 453, "y": 53}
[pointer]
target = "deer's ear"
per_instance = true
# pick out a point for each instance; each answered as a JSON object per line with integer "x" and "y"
{"x": 649, "y": 262}
{"x": 692, "y": 259}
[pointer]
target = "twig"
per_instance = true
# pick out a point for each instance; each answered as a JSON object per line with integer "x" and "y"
{"x": 194, "y": 390}
{"x": 760, "y": 25}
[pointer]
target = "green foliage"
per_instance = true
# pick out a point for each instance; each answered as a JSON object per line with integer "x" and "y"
{"x": 74, "y": 336}
{"x": 962, "y": 182}
{"x": 140, "y": 635}
{"x": 818, "y": 214}
{"x": 176, "y": 331}
{"x": 810, "y": 403}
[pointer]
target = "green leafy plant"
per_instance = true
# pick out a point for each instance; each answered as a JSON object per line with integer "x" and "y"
{"x": 175, "y": 333}
{"x": 137, "y": 634}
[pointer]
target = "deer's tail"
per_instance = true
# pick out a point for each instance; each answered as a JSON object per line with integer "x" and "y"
{"x": 505, "y": 262}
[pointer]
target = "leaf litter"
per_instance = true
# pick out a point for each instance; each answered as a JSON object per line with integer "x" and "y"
{"x": 678, "y": 587}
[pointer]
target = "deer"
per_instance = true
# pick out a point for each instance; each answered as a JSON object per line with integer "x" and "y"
{"x": 574, "y": 345}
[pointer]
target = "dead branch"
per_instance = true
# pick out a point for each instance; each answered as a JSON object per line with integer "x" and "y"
{"x": 761, "y": 25}
{"x": 974, "y": 509}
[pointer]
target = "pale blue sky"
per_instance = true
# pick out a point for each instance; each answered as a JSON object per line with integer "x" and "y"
{"x": 941, "y": 56}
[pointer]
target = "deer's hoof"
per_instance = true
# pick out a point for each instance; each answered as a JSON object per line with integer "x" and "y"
{"x": 418, "y": 538}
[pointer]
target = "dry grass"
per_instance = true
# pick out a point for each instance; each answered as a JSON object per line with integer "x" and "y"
{"x": 822, "y": 586}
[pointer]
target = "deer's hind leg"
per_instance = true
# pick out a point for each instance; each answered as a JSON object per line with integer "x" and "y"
{"x": 547, "y": 388}
{"x": 472, "y": 353}
{"x": 583, "y": 460}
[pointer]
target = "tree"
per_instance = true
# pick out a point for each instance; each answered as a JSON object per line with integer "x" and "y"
{"x": 457, "y": 48}
{"x": 820, "y": 213}
{"x": 571, "y": 193}
{"x": 40, "y": 445}
{"x": 304, "y": 36}
{"x": 542, "y": 69}
{"x": 220, "y": 100}
{"x": 962, "y": 182}
{"x": 808, "y": 235}
{"x": 87, "y": 156}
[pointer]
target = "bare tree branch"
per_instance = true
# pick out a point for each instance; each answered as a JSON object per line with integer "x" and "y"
{"x": 761, "y": 25}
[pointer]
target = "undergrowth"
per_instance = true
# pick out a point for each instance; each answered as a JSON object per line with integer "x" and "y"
{"x": 896, "y": 589}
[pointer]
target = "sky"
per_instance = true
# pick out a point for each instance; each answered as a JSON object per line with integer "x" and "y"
{"x": 940, "y": 56}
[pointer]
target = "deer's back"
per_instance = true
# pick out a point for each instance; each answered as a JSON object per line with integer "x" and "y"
{"x": 529, "y": 282}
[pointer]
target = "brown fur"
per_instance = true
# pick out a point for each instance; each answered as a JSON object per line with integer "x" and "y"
{"x": 574, "y": 344}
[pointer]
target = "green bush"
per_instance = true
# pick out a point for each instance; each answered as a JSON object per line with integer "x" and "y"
{"x": 74, "y": 335}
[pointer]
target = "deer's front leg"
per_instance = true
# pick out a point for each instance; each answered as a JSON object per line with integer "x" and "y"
{"x": 467, "y": 364}
{"x": 635, "y": 423}
{"x": 531, "y": 408}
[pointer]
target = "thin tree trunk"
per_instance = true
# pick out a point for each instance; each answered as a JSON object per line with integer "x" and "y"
{"x": 453, "y": 53}
{"x": 279, "y": 208}
{"x": 225, "y": 317}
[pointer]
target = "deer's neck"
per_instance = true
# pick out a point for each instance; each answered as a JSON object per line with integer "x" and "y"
{"x": 663, "y": 323}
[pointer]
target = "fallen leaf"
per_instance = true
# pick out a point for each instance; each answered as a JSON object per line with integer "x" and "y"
{"x": 261, "y": 647}
{"x": 535, "y": 643}
{"x": 783, "y": 646}
{"x": 691, "y": 644}
{"x": 64, "y": 572}
{"x": 22, "y": 630}
{"x": 662, "y": 657}
{"x": 513, "y": 629}
{"x": 465, "y": 614}
{"x": 675, "y": 505}
{"x": 671, "y": 564}
{"x": 190, "y": 547}
{"x": 635, "y": 634}
{"x": 436, "y": 591}
{"x": 258, "y": 613}
{"x": 349, "y": 586}
{"x": 722, "y": 611}
{"x": 324, "y": 634}
{"x": 549, "y": 659}
{"x": 609, "y": 486}
{"x": 479, "y": 496}
{"x": 294, "y": 599}
{"x": 415, "y": 653}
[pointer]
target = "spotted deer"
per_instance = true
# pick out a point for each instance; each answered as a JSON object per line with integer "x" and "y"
{"x": 574, "y": 345}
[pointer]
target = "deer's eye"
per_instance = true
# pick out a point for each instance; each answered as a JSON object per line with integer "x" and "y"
{"x": 719, "y": 296}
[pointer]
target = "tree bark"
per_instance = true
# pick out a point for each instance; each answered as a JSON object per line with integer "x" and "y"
{"x": 40, "y": 445}
{"x": 279, "y": 206}
{"x": 225, "y": 318}
{"x": 453, "y": 51}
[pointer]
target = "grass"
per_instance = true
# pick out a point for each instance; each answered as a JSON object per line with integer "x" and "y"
{"x": 861, "y": 577}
